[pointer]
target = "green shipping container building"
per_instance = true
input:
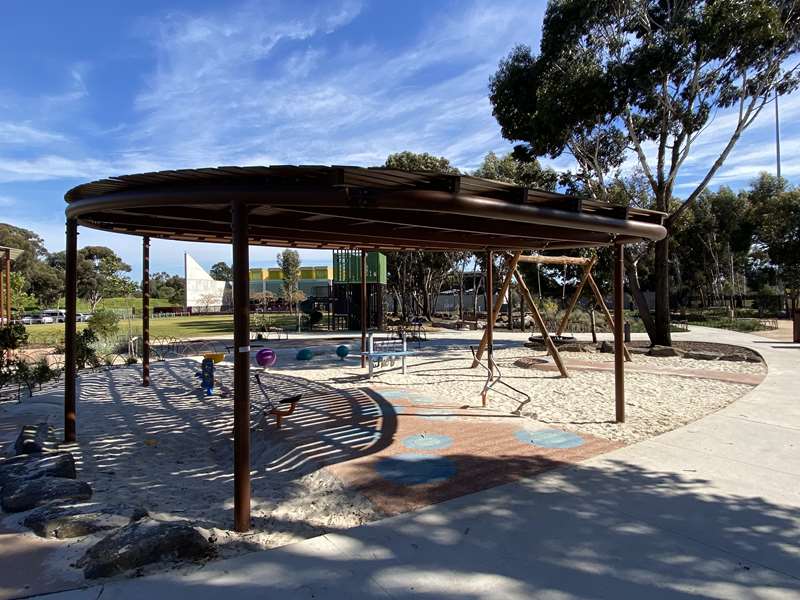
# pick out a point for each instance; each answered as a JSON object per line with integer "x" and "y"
{"x": 347, "y": 267}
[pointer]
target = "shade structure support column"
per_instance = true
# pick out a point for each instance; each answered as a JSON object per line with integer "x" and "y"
{"x": 3, "y": 293}
{"x": 70, "y": 363}
{"x": 241, "y": 367}
{"x": 146, "y": 310}
{"x": 619, "y": 348}
{"x": 490, "y": 315}
{"x": 363, "y": 308}
{"x": 8, "y": 286}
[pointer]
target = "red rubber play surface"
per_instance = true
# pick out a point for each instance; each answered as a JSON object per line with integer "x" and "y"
{"x": 404, "y": 450}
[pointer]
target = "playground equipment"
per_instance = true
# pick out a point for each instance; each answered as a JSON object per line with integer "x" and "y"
{"x": 266, "y": 357}
{"x": 342, "y": 351}
{"x": 305, "y": 354}
{"x": 385, "y": 351}
{"x": 512, "y": 272}
{"x": 206, "y": 375}
{"x": 273, "y": 408}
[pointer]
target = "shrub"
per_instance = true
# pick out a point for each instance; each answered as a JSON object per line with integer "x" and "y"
{"x": 104, "y": 323}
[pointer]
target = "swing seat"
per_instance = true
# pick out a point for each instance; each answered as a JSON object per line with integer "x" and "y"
{"x": 272, "y": 408}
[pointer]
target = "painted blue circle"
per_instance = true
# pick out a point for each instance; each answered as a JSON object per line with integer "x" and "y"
{"x": 427, "y": 441}
{"x": 549, "y": 438}
{"x": 414, "y": 469}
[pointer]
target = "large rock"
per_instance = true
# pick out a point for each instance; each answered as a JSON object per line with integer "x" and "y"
{"x": 35, "y": 438}
{"x": 664, "y": 351}
{"x": 142, "y": 543}
{"x": 575, "y": 347}
{"x": 34, "y": 466}
{"x": 734, "y": 357}
{"x": 25, "y": 494}
{"x": 606, "y": 347}
{"x": 638, "y": 349}
{"x": 701, "y": 355}
{"x": 77, "y": 521}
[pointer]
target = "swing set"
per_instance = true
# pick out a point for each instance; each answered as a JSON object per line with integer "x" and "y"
{"x": 494, "y": 375}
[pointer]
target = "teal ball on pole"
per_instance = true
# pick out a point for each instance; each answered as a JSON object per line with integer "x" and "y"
{"x": 342, "y": 351}
{"x": 305, "y": 354}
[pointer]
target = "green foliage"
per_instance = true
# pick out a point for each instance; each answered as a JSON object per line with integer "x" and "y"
{"x": 20, "y": 299}
{"x": 289, "y": 262}
{"x": 221, "y": 271}
{"x": 100, "y": 274}
{"x": 412, "y": 161}
{"x": 85, "y": 351}
{"x": 104, "y": 324}
{"x": 12, "y": 337}
{"x": 509, "y": 169}
{"x": 615, "y": 75}
{"x": 39, "y": 278}
{"x": 776, "y": 213}
{"x": 171, "y": 288}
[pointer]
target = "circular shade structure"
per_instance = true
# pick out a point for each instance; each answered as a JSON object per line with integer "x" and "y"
{"x": 354, "y": 207}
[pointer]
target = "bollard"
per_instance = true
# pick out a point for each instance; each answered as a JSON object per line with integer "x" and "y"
{"x": 627, "y": 331}
{"x": 796, "y": 332}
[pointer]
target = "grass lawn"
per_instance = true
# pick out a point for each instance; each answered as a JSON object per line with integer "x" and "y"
{"x": 176, "y": 327}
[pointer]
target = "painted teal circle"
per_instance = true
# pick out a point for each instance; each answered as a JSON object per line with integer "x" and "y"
{"x": 305, "y": 354}
{"x": 549, "y": 438}
{"x": 427, "y": 441}
{"x": 393, "y": 394}
{"x": 342, "y": 351}
{"x": 414, "y": 469}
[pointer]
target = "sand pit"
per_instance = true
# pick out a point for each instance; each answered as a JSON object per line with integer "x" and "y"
{"x": 335, "y": 465}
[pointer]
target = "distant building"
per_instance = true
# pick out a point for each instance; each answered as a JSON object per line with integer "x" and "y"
{"x": 203, "y": 292}
{"x": 314, "y": 281}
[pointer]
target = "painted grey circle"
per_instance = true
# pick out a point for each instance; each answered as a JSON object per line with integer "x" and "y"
{"x": 427, "y": 441}
{"x": 549, "y": 438}
{"x": 415, "y": 469}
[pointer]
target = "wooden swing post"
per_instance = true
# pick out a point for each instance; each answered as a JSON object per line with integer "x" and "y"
{"x": 511, "y": 264}
{"x": 549, "y": 344}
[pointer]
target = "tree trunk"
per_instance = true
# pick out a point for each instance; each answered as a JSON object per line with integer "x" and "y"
{"x": 640, "y": 299}
{"x": 663, "y": 336}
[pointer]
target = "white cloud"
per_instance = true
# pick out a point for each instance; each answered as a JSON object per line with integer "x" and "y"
{"x": 6, "y": 201}
{"x": 25, "y": 134}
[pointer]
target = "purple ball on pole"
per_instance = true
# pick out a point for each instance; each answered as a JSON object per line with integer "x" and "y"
{"x": 266, "y": 357}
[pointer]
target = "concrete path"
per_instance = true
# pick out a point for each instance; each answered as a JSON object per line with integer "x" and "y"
{"x": 708, "y": 510}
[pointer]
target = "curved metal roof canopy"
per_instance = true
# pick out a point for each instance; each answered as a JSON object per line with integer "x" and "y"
{"x": 354, "y": 207}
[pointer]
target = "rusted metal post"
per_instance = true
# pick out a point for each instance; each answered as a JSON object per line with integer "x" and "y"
{"x": 70, "y": 363}
{"x": 363, "y": 307}
{"x": 490, "y": 316}
{"x": 619, "y": 347}
{"x": 241, "y": 368}
{"x": 146, "y": 310}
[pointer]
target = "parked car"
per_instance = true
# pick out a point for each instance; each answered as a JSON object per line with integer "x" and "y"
{"x": 59, "y": 315}
{"x": 32, "y": 319}
{"x": 82, "y": 317}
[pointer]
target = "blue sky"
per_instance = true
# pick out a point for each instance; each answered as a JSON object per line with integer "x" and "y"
{"x": 98, "y": 88}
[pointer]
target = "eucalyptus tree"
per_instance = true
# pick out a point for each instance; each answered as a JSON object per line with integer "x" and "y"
{"x": 644, "y": 79}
